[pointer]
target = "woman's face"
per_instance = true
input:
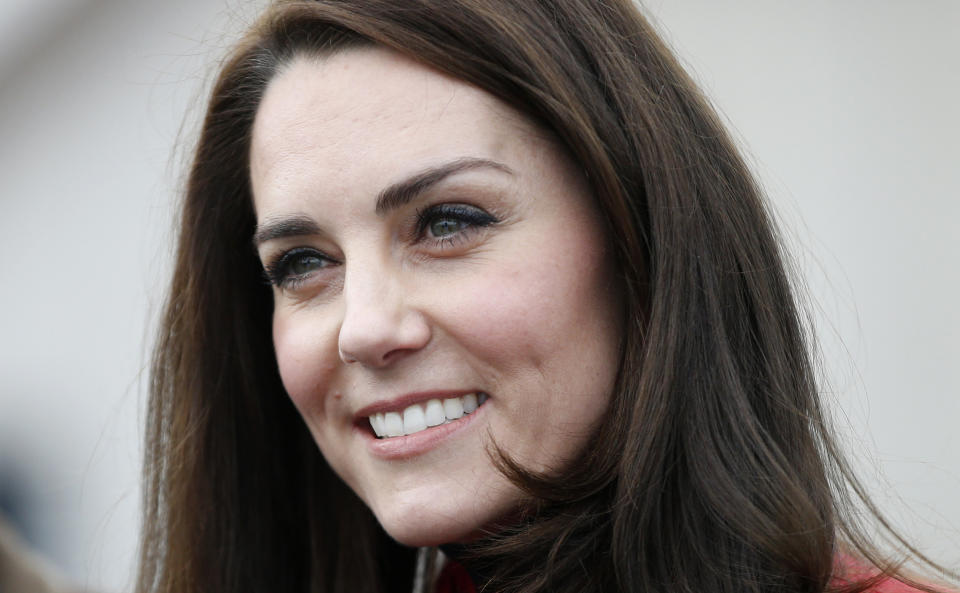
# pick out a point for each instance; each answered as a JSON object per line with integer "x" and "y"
{"x": 432, "y": 251}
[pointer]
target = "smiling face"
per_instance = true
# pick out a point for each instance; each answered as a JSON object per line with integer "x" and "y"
{"x": 431, "y": 251}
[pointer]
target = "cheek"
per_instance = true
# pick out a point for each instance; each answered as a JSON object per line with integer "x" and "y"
{"x": 543, "y": 318}
{"x": 307, "y": 359}
{"x": 549, "y": 324}
{"x": 549, "y": 296}
{"x": 304, "y": 357}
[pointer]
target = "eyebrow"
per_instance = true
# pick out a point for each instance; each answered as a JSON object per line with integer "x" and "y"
{"x": 391, "y": 198}
{"x": 402, "y": 193}
{"x": 288, "y": 226}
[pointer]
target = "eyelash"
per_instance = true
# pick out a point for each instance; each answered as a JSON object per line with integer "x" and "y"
{"x": 473, "y": 217}
{"x": 278, "y": 270}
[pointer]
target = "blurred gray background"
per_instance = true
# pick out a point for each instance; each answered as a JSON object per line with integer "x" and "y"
{"x": 847, "y": 111}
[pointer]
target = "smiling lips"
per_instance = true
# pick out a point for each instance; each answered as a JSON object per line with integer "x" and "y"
{"x": 421, "y": 416}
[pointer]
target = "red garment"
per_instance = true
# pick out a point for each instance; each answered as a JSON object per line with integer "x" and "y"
{"x": 454, "y": 578}
{"x": 848, "y": 569}
{"x": 894, "y": 586}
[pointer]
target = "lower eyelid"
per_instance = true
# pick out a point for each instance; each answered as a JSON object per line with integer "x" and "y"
{"x": 305, "y": 286}
{"x": 277, "y": 268}
{"x": 470, "y": 235}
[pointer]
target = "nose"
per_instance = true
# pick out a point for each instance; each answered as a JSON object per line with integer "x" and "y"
{"x": 379, "y": 325}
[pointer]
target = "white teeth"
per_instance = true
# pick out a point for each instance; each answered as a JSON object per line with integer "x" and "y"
{"x": 392, "y": 424}
{"x": 376, "y": 421}
{"x": 413, "y": 420}
{"x": 419, "y": 417}
{"x": 453, "y": 408}
{"x": 435, "y": 415}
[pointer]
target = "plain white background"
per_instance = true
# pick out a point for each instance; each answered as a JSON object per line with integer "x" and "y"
{"x": 847, "y": 111}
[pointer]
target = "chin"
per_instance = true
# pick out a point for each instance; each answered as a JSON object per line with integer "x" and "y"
{"x": 418, "y": 536}
{"x": 424, "y": 524}
{"x": 420, "y": 531}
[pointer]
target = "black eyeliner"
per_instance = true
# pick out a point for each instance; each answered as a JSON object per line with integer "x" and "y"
{"x": 470, "y": 214}
{"x": 277, "y": 269}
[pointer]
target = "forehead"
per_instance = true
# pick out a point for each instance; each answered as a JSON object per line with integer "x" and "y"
{"x": 364, "y": 115}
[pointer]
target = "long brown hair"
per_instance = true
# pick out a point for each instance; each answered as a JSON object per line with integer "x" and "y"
{"x": 714, "y": 470}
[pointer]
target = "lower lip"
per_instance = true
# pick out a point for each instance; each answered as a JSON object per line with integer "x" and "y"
{"x": 418, "y": 443}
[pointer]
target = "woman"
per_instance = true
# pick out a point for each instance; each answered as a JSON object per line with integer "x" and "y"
{"x": 522, "y": 295}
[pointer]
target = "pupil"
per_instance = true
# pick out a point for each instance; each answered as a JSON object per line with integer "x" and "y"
{"x": 305, "y": 264}
{"x": 445, "y": 226}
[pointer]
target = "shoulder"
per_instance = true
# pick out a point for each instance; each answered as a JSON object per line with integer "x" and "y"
{"x": 893, "y": 586}
{"x": 849, "y": 569}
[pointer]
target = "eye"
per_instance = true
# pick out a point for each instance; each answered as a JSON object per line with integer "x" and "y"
{"x": 441, "y": 227}
{"x": 445, "y": 222}
{"x": 293, "y": 267}
{"x": 304, "y": 263}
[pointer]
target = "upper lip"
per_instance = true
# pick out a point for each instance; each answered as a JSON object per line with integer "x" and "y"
{"x": 397, "y": 404}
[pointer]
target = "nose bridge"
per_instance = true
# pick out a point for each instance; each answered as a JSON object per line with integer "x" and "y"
{"x": 365, "y": 283}
{"x": 378, "y": 322}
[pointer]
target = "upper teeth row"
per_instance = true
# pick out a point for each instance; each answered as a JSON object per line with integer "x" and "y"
{"x": 422, "y": 416}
